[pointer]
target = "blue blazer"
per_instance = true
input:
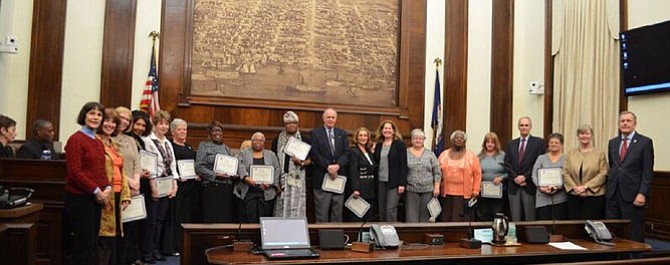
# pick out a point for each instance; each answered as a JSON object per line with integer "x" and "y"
{"x": 322, "y": 156}
{"x": 632, "y": 175}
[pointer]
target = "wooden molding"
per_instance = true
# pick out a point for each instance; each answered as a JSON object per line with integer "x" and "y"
{"x": 45, "y": 74}
{"x": 623, "y": 24}
{"x": 502, "y": 69}
{"x": 455, "y": 76}
{"x": 548, "y": 71}
{"x": 118, "y": 48}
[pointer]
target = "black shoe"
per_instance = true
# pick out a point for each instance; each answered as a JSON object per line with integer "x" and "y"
{"x": 148, "y": 260}
{"x": 159, "y": 257}
{"x": 138, "y": 262}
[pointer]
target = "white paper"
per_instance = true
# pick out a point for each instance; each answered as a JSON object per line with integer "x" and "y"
{"x": 186, "y": 168}
{"x": 136, "y": 210}
{"x": 549, "y": 177}
{"x": 164, "y": 186}
{"x": 491, "y": 190}
{"x": 262, "y": 174}
{"x": 484, "y": 234}
{"x": 334, "y": 185}
{"x": 434, "y": 208}
{"x": 566, "y": 246}
{"x": 149, "y": 161}
{"x": 225, "y": 164}
{"x": 358, "y": 206}
{"x": 297, "y": 148}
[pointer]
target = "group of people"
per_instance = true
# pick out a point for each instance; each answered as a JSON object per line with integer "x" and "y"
{"x": 38, "y": 146}
{"x": 104, "y": 172}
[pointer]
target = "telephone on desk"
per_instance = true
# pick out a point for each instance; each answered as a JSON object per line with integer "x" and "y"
{"x": 9, "y": 199}
{"x": 384, "y": 236}
{"x": 599, "y": 232}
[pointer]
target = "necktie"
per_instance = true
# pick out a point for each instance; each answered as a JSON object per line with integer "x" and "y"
{"x": 331, "y": 140}
{"x": 522, "y": 150}
{"x": 624, "y": 147}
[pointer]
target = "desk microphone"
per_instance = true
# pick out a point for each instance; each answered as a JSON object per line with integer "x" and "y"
{"x": 363, "y": 245}
{"x": 469, "y": 242}
{"x": 240, "y": 245}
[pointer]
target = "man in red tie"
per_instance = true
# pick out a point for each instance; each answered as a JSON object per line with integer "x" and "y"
{"x": 631, "y": 161}
{"x": 520, "y": 155}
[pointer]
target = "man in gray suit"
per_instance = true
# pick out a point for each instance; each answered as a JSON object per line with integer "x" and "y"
{"x": 520, "y": 156}
{"x": 330, "y": 156}
{"x": 631, "y": 159}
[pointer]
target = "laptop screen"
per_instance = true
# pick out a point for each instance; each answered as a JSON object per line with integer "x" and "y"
{"x": 284, "y": 233}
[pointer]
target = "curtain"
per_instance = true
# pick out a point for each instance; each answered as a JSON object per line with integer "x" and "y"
{"x": 585, "y": 50}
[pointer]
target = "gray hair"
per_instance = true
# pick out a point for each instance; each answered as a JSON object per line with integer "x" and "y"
{"x": 326, "y": 110}
{"x": 176, "y": 122}
{"x": 457, "y": 132}
{"x": 258, "y": 134}
{"x": 417, "y": 132}
{"x": 290, "y": 116}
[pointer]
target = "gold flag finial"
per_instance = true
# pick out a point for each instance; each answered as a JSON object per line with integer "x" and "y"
{"x": 154, "y": 35}
{"x": 437, "y": 61}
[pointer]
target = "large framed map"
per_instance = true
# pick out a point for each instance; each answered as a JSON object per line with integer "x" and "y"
{"x": 310, "y": 51}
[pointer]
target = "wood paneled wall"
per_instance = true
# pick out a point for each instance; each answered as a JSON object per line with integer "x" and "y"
{"x": 46, "y": 62}
{"x": 243, "y": 117}
{"x": 657, "y": 215}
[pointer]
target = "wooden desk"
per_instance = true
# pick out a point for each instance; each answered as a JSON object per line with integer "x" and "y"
{"x": 21, "y": 225}
{"x": 198, "y": 237}
{"x": 452, "y": 253}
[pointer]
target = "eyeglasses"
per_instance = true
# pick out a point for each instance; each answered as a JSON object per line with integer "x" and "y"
{"x": 216, "y": 130}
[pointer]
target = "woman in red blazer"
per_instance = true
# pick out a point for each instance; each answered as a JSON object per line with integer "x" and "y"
{"x": 86, "y": 184}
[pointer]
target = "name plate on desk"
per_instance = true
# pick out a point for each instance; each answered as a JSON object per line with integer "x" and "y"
{"x": 550, "y": 177}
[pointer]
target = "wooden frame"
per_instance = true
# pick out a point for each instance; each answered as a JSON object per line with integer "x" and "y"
{"x": 178, "y": 17}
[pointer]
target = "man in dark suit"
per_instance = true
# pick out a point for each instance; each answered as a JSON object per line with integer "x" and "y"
{"x": 330, "y": 155}
{"x": 631, "y": 159}
{"x": 42, "y": 140}
{"x": 520, "y": 156}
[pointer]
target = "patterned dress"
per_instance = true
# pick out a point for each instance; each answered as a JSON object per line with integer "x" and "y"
{"x": 292, "y": 201}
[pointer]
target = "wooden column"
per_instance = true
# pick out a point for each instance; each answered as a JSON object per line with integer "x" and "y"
{"x": 502, "y": 69}
{"x": 456, "y": 65}
{"x": 45, "y": 74}
{"x": 117, "y": 53}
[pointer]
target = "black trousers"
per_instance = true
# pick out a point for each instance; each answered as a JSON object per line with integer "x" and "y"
{"x": 130, "y": 243}
{"x": 488, "y": 207}
{"x": 83, "y": 215}
{"x": 254, "y": 206}
{"x": 586, "y": 208}
{"x": 187, "y": 205}
{"x": 152, "y": 226}
{"x": 217, "y": 203}
{"x": 553, "y": 212}
{"x": 617, "y": 208}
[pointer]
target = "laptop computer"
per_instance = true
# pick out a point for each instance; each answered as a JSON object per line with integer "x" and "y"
{"x": 286, "y": 238}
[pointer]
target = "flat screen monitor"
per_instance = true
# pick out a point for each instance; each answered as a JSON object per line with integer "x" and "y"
{"x": 645, "y": 59}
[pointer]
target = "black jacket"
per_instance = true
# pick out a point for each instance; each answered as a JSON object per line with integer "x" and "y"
{"x": 397, "y": 162}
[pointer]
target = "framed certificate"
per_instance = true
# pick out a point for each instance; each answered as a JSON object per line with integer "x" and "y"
{"x": 149, "y": 161}
{"x": 550, "y": 177}
{"x": 434, "y": 208}
{"x": 297, "y": 148}
{"x": 136, "y": 210}
{"x": 164, "y": 186}
{"x": 186, "y": 168}
{"x": 262, "y": 174}
{"x": 334, "y": 185}
{"x": 225, "y": 164}
{"x": 358, "y": 206}
{"x": 491, "y": 190}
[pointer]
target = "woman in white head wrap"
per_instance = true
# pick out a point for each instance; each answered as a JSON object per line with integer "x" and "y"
{"x": 291, "y": 202}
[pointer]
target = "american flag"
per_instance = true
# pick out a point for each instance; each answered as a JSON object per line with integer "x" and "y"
{"x": 149, "y": 102}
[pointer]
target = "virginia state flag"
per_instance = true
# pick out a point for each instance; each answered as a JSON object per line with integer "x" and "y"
{"x": 436, "y": 122}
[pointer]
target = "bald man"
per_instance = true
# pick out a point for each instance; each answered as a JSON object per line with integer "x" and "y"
{"x": 41, "y": 141}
